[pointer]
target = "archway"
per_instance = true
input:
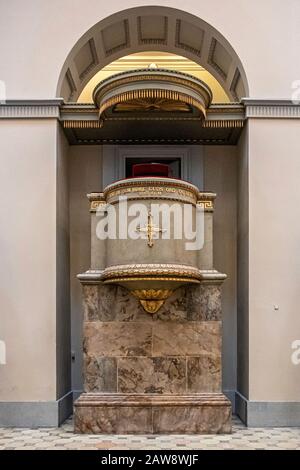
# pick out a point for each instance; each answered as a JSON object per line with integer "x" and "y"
{"x": 131, "y": 31}
{"x": 152, "y": 28}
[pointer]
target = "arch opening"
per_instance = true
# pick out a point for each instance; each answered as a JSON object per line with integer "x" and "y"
{"x": 163, "y": 29}
{"x": 161, "y": 60}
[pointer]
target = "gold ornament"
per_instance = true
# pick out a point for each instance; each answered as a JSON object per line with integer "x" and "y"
{"x": 152, "y": 299}
{"x": 150, "y": 229}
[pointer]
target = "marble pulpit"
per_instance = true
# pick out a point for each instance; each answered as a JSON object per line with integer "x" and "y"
{"x": 152, "y": 321}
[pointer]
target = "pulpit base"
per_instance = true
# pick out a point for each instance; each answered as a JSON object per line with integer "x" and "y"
{"x": 206, "y": 413}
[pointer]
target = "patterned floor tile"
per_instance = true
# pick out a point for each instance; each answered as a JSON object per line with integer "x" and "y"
{"x": 63, "y": 438}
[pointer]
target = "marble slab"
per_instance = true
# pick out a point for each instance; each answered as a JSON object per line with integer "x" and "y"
{"x": 186, "y": 339}
{"x": 98, "y": 300}
{"x": 204, "y": 373}
{"x": 156, "y": 373}
{"x": 204, "y": 302}
{"x": 112, "y": 420}
{"x": 100, "y": 373}
{"x": 114, "y": 303}
{"x": 206, "y": 419}
{"x": 152, "y": 375}
{"x": 152, "y": 414}
{"x": 174, "y": 308}
{"x": 126, "y": 307}
{"x": 117, "y": 339}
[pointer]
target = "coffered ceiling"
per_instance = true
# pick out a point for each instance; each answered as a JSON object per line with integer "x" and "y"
{"x": 146, "y": 29}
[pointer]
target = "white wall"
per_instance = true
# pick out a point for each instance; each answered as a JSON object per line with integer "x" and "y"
{"x": 36, "y": 37}
{"x": 28, "y": 259}
{"x": 274, "y": 258}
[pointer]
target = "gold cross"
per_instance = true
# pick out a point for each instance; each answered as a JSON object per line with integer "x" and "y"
{"x": 150, "y": 228}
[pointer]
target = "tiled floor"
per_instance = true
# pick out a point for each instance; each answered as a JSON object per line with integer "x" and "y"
{"x": 64, "y": 438}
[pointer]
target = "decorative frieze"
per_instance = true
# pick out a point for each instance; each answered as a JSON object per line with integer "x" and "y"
{"x": 279, "y": 109}
{"x": 30, "y": 109}
{"x": 97, "y": 200}
{"x": 206, "y": 201}
{"x": 78, "y": 115}
{"x": 223, "y": 123}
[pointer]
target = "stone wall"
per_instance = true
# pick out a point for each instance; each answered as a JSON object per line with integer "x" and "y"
{"x": 176, "y": 350}
{"x": 156, "y": 373}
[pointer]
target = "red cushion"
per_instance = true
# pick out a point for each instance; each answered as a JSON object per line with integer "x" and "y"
{"x": 150, "y": 169}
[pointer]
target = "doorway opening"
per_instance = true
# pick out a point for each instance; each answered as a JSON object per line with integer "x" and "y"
{"x": 174, "y": 165}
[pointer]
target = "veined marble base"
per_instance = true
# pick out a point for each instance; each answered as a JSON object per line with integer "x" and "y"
{"x": 206, "y": 413}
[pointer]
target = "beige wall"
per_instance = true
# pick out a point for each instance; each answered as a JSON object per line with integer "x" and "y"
{"x": 274, "y": 260}
{"x": 261, "y": 32}
{"x": 28, "y": 259}
{"x": 85, "y": 176}
{"x": 220, "y": 176}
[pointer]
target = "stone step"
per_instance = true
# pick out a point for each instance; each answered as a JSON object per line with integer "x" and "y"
{"x": 152, "y": 414}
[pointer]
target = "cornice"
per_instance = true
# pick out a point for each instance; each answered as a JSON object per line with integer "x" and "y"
{"x": 150, "y": 270}
{"x": 271, "y": 108}
{"x": 92, "y": 276}
{"x": 220, "y": 112}
{"x": 98, "y": 276}
{"x": 210, "y": 276}
{"x": 31, "y": 109}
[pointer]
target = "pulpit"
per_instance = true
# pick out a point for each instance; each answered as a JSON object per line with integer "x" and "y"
{"x": 152, "y": 326}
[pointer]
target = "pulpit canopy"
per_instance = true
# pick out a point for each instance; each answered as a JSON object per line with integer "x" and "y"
{"x": 152, "y": 92}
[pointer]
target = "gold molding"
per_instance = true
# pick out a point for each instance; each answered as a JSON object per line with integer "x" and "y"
{"x": 146, "y": 94}
{"x": 152, "y": 186}
{"x": 117, "y": 280}
{"x": 153, "y": 294}
{"x": 222, "y": 123}
{"x": 146, "y": 105}
{"x": 208, "y": 124}
{"x": 154, "y": 118}
{"x": 227, "y": 108}
{"x": 81, "y": 124}
{"x": 79, "y": 108}
{"x": 152, "y": 299}
{"x": 191, "y": 82}
{"x": 151, "y": 306}
{"x": 94, "y": 206}
{"x": 206, "y": 205}
{"x": 151, "y": 271}
{"x": 96, "y": 200}
{"x": 206, "y": 201}
{"x": 159, "y": 197}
